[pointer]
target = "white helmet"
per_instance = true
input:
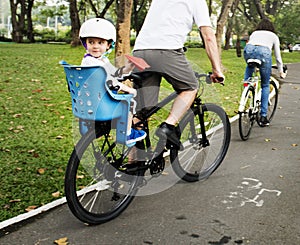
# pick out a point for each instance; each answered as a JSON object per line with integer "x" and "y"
{"x": 98, "y": 27}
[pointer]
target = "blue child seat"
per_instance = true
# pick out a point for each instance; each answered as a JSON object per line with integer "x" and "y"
{"x": 93, "y": 100}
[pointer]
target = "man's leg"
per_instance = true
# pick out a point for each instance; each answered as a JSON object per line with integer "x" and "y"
{"x": 180, "y": 106}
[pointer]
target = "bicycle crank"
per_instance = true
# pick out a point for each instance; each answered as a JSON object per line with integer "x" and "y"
{"x": 157, "y": 165}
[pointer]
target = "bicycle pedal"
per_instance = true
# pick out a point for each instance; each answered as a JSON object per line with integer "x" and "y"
{"x": 171, "y": 145}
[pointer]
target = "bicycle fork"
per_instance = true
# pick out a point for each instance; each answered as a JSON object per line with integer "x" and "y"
{"x": 204, "y": 140}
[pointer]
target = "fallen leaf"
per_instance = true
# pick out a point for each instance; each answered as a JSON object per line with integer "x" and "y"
{"x": 37, "y": 91}
{"x": 60, "y": 170}
{"x": 17, "y": 115}
{"x": 61, "y": 241}
{"x": 294, "y": 145}
{"x": 30, "y": 208}
{"x": 274, "y": 149}
{"x": 267, "y": 140}
{"x": 59, "y": 137}
{"x": 56, "y": 194}
{"x": 45, "y": 99}
{"x": 15, "y": 200}
{"x": 41, "y": 170}
{"x": 35, "y": 80}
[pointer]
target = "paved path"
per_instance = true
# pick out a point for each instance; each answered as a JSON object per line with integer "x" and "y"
{"x": 253, "y": 198}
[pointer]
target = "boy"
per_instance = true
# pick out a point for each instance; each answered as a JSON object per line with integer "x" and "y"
{"x": 98, "y": 37}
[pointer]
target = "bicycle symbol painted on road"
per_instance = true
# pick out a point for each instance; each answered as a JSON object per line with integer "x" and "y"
{"x": 245, "y": 195}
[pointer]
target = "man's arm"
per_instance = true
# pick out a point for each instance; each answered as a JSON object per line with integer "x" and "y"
{"x": 211, "y": 48}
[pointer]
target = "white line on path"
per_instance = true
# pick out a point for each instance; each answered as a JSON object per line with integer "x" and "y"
{"x": 32, "y": 213}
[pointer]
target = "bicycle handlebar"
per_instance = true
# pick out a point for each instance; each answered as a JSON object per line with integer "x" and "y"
{"x": 208, "y": 78}
{"x": 284, "y": 68}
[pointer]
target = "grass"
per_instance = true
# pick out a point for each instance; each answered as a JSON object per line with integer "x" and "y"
{"x": 36, "y": 135}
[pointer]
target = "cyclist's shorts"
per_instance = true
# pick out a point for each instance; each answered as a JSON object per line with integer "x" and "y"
{"x": 170, "y": 64}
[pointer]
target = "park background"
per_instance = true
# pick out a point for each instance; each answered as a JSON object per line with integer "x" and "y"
{"x": 36, "y": 136}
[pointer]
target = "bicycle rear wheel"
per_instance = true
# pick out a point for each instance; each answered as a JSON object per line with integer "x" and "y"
{"x": 200, "y": 159}
{"x": 97, "y": 192}
{"x": 247, "y": 116}
{"x": 273, "y": 100}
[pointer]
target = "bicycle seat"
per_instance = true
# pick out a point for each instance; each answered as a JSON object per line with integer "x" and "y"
{"x": 254, "y": 63}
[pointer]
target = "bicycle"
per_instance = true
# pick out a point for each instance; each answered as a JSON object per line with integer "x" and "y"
{"x": 97, "y": 188}
{"x": 249, "y": 107}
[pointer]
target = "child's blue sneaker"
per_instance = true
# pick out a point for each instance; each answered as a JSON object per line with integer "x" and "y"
{"x": 135, "y": 135}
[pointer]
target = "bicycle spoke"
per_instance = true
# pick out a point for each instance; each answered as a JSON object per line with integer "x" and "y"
{"x": 202, "y": 156}
{"x": 96, "y": 191}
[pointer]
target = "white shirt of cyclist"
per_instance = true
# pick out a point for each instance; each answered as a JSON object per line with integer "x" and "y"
{"x": 173, "y": 18}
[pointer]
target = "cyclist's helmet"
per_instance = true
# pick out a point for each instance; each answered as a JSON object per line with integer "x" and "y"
{"x": 97, "y": 27}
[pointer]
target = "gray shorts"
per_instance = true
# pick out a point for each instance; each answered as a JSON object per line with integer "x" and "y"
{"x": 170, "y": 64}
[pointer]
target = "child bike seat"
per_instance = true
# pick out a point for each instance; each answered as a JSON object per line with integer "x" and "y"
{"x": 93, "y": 100}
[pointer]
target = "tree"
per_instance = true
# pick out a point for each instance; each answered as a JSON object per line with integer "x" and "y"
{"x": 75, "y": 23}
{"x": 103, "y": 11}
{"x": 124, "y": 9}
{"x": 222, "y": 21}
{"x": 21, "y": 20}
{"x": 140, "y": 8}
{"x": 230, "y": 25}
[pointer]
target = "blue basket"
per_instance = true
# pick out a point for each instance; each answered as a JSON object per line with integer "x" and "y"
{"x": 92, "y": 100}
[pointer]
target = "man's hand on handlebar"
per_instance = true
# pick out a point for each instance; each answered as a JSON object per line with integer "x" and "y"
{"x": 217, "y": 77}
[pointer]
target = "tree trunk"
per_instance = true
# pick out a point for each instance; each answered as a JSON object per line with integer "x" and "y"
{"x": 238, "y": 47}
{"x": 30, "y": 34}
{"x": 18, "y": 20}
{"x": 230, "y": 25}
{"x": 124, "y": 9}
{"x": 260, "y": 9}
{"x": 75, "y": 23}
{"x": 222, "y": 21}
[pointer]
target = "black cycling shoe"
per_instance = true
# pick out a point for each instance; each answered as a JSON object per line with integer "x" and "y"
{"x": 264, "y": 122}
{"x": 168, "y": 132}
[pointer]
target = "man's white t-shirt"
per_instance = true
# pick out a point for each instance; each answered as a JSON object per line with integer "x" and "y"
{"x": 168, "y": 23}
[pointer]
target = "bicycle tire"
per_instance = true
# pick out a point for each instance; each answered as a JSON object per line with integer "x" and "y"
{"x": 273, "y": 100}
{"x": 92, "y": 185}
{"x": 196, "y": 161}
{"x": 247, "y": 117}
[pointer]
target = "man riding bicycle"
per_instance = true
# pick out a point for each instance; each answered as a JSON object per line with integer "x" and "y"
{"x": 160, "y": 43}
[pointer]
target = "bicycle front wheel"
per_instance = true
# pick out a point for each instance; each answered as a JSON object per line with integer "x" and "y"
{"x": 96, "y": 191}
{"x": 200, "y": 158}
{"x": 273, "y": 99}
{"x": 248, "y": 115}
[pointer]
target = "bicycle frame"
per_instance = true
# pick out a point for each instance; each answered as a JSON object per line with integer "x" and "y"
{"x": 144, "y": 115}
{"x": 254, "y": 83}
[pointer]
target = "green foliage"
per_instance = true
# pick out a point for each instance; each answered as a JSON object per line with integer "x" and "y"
{"x": 36, "y": 134}
{"x": 287, "y": 25}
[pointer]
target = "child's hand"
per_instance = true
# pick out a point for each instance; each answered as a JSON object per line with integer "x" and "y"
{"x": 128, "y": 67}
